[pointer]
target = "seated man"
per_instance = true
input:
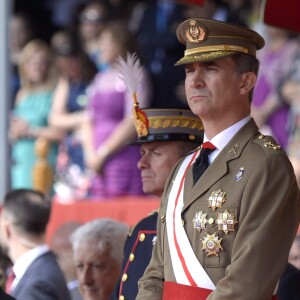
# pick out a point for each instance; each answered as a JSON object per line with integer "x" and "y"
{"x": 170, "y": 134}
{"x": 97, "y": 250}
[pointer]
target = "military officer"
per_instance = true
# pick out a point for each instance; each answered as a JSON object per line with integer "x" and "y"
{"x": 165, "y": 135}
{"x": 225, "y": 235}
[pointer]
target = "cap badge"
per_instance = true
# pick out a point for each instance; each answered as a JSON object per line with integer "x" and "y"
{"x": 211, "y": 244}
{"x": 216, "y": 199}
{"x": 199, "y": 221}
{"x": 195, "y": 34}
{"x": 226, "y": 222}
{"x": 240, "y": 174}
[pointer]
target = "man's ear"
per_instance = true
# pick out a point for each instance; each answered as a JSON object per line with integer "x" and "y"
{"x": 6, "y": 228}
{"x": 247, "y": 82}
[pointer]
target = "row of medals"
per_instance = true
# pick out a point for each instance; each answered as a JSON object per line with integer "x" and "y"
{"x": 226, "y": 221}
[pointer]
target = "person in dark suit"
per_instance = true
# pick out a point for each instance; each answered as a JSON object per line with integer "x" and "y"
{"x": 24, "y": 218}
{"x": 161, "y": 147}
{"x": 220, "y": 234}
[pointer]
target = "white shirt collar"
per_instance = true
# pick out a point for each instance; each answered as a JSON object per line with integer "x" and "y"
{"x": 25, "y": 260}
{"x": 223, "y": 138}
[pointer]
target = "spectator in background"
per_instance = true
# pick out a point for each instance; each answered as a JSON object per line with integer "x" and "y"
{"x": 179, "y": 132}
{"x": 268, "y": 108}
{"x": 109, "y": 125}
{"x": 76, "y": 72}
{"x": 29, "y": 119}
{"x": 23, "y": 221}
{"x": 21, "y": 31}
{"x": 159, "y": 50}
{"x": 97, "y": 250}
{"x": 61, "y": 246}
{"x": 91, "y": 22}
{"x": 289, "y": 89}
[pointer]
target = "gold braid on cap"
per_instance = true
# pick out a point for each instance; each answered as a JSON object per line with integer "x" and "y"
{"x": 131, "y": 73}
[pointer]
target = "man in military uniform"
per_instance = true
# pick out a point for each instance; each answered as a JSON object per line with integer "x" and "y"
{"x": 165, "y": 135}
{"x": 225, "y": 235}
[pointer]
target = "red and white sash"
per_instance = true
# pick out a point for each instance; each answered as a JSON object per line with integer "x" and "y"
{"x": 186, "y": 267}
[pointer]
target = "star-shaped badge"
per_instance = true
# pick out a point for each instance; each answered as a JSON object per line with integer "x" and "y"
{"x": 211, "y": 244}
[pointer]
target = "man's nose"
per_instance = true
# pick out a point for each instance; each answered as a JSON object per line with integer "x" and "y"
{"x": 87, "y": 276}
{"x": 142, "y": 163}
{"x": 197, "y": 79}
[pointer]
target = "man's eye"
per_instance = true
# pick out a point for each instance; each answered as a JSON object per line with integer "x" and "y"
{"x": 188, "y": 71}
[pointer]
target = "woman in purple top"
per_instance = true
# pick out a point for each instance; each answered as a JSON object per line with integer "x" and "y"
{"x": 109, "y": 124}
{"x": 268, "y": 109}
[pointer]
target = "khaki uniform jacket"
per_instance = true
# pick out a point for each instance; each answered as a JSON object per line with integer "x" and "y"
{"x": 265, "y": 201}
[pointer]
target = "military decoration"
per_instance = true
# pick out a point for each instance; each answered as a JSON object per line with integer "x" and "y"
{"x": 195, "y": 34}
{"x": 199, "y": 221}
{"x": 270, "y": 145}
{"x": 240, "y": 174}
{"x": 211, "y": 244}
{"x": 226, "y": 222}
{"x": 216, "y": 199}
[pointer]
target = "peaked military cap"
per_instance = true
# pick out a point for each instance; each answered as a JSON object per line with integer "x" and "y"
{"x": 154, "y": 125}
{"x": 207, "y": 39}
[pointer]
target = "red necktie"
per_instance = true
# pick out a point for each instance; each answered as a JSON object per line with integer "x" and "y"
{"x": 9, "y": 280}
{"x": 201, "y": 163}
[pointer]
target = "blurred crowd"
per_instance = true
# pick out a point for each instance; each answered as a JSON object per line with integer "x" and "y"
{"x": 70, "y": 120}
{"x": 66, "y": 90}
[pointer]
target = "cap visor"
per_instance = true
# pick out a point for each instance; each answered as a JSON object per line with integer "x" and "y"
{"x": 205, "y": 56}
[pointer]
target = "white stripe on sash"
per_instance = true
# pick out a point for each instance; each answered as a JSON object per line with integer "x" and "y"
{"x": 187, "y": 268}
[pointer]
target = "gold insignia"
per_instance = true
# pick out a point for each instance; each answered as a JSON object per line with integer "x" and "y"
{"x": 239, "y": 174}
{"x": 199, "y": 221}
{"x": 226, "y": 222}
{"x": 232, "y": 150}
{"x": 141, "y": 122}
{"x": 195, "y": 34}
{"x": 216, "y": 199}
{"x": 270, "y": 145}
{"x": 211, "y": 244}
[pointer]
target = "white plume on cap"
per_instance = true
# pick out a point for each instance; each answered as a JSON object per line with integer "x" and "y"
{"x": 131, "y": 72}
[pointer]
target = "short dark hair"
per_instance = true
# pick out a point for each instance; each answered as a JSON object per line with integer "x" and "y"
{"x": 29, "y": 209}
{"x": 246, "y": 63}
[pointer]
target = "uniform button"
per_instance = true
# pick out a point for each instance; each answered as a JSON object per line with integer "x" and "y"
{"x": 131, "y": 257}
{"x": 124, "y": 277}
{"x": 121, "y": 297}
{"x": 142, "y": 237}
{"x": 211, "y": 221}
{"x": 182, "y": 221}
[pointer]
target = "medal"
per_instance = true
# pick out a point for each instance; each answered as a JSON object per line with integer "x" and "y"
{"x": 199, "y": 221}
{"x": 239, "y": 174}
{"x": 226, "y": 222}
{"x": 211, "y": 244}
{"x": 216, "y": 199}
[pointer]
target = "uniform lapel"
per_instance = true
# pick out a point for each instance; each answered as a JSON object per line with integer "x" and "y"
{"x": 219, "y": 167}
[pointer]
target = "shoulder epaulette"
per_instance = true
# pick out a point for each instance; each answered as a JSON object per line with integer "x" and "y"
{"x": 267, "y": 142}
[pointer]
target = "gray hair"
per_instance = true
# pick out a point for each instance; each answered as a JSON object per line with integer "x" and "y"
{"x": 109, "y": 234}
